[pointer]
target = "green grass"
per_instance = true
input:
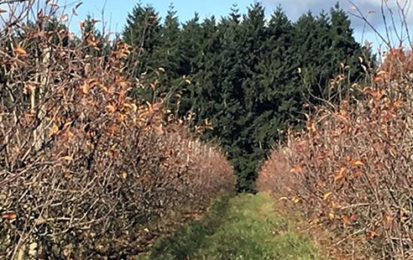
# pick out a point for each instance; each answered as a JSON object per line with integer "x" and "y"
{"x": 243, "y": 227}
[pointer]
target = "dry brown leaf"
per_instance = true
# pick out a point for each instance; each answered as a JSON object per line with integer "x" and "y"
{"x": 341, "y": 174}
{"x": 84, "y": 89}
{"x": 295, "y": 199}
{"x": 110, "y": 108}
{"x": 20, "y": 52}
{"x": 124, "y": 174}
{"x": 358, "y": 163}
{"x": 54, "y": 129}
{"x": 326, "y": 195}
{"x": 10, "y": 215}
{"x": 68, "y": 158}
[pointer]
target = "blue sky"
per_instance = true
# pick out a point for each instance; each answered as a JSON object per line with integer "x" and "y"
{"x": 116, "y": 11}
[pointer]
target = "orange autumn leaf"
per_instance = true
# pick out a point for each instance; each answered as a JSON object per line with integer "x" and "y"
{"x": 346, "y": 220}
{"x": 68, "y": 158}
{"x": 84, "y": 89}
{"x": 334, "y": 205}
{"x": 124, "y": 174}
{"x": 326, "y": 195}
{"x": 343, "y": 112}
{"x": 295, "y": 199}
{"x": 358, "y": 163}
{"x": 388, "y": 221}
{"x": 20, "y": 52}
{"x": 378, "y": 79}
{"x": 297, "y": 169}
{"x": 341, "y": 174}
{"x": 10, "y": 215}
{"x": 54, "y": 129}
{"x": 110, "y": 108}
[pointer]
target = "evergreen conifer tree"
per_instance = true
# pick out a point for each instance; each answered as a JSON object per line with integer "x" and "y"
{"x": 142, "y": 33}
{"x": 250, "y": 77}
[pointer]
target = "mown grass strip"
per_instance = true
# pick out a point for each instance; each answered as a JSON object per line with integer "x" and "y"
{"x": 242, "y": 227}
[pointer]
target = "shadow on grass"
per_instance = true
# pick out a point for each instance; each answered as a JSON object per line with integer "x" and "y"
{"x": 243, "y": 227}
{"x": 186, "y": 241}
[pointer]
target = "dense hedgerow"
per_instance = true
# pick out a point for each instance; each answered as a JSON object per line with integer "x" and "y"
{"x": 350, "y": 170}
{"x": 85, "y": 171}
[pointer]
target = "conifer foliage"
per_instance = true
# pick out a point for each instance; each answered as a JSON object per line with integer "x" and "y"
{"x": 248, "y": 76}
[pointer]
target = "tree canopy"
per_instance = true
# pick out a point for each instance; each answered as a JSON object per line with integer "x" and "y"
{"x": 252, "y": 77}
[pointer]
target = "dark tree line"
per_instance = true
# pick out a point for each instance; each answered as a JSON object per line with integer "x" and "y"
{"x": 252, "y": 77}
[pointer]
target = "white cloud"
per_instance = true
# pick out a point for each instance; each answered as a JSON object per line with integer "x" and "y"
{"x": 370, "y": 8}
{"x": 297, "y": 7}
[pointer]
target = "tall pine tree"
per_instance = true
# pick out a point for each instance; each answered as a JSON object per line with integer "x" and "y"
{"x": 250, "y": 77}
{"x": 142, "y": 34}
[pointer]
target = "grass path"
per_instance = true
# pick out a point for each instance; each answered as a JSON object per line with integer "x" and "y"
{"x": 243, "y": 227}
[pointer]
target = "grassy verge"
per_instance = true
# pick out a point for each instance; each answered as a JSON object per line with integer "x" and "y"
{"x": 243, "y": 227}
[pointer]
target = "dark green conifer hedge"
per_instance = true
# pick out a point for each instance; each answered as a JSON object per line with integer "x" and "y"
{"x": 251, "y": 76}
